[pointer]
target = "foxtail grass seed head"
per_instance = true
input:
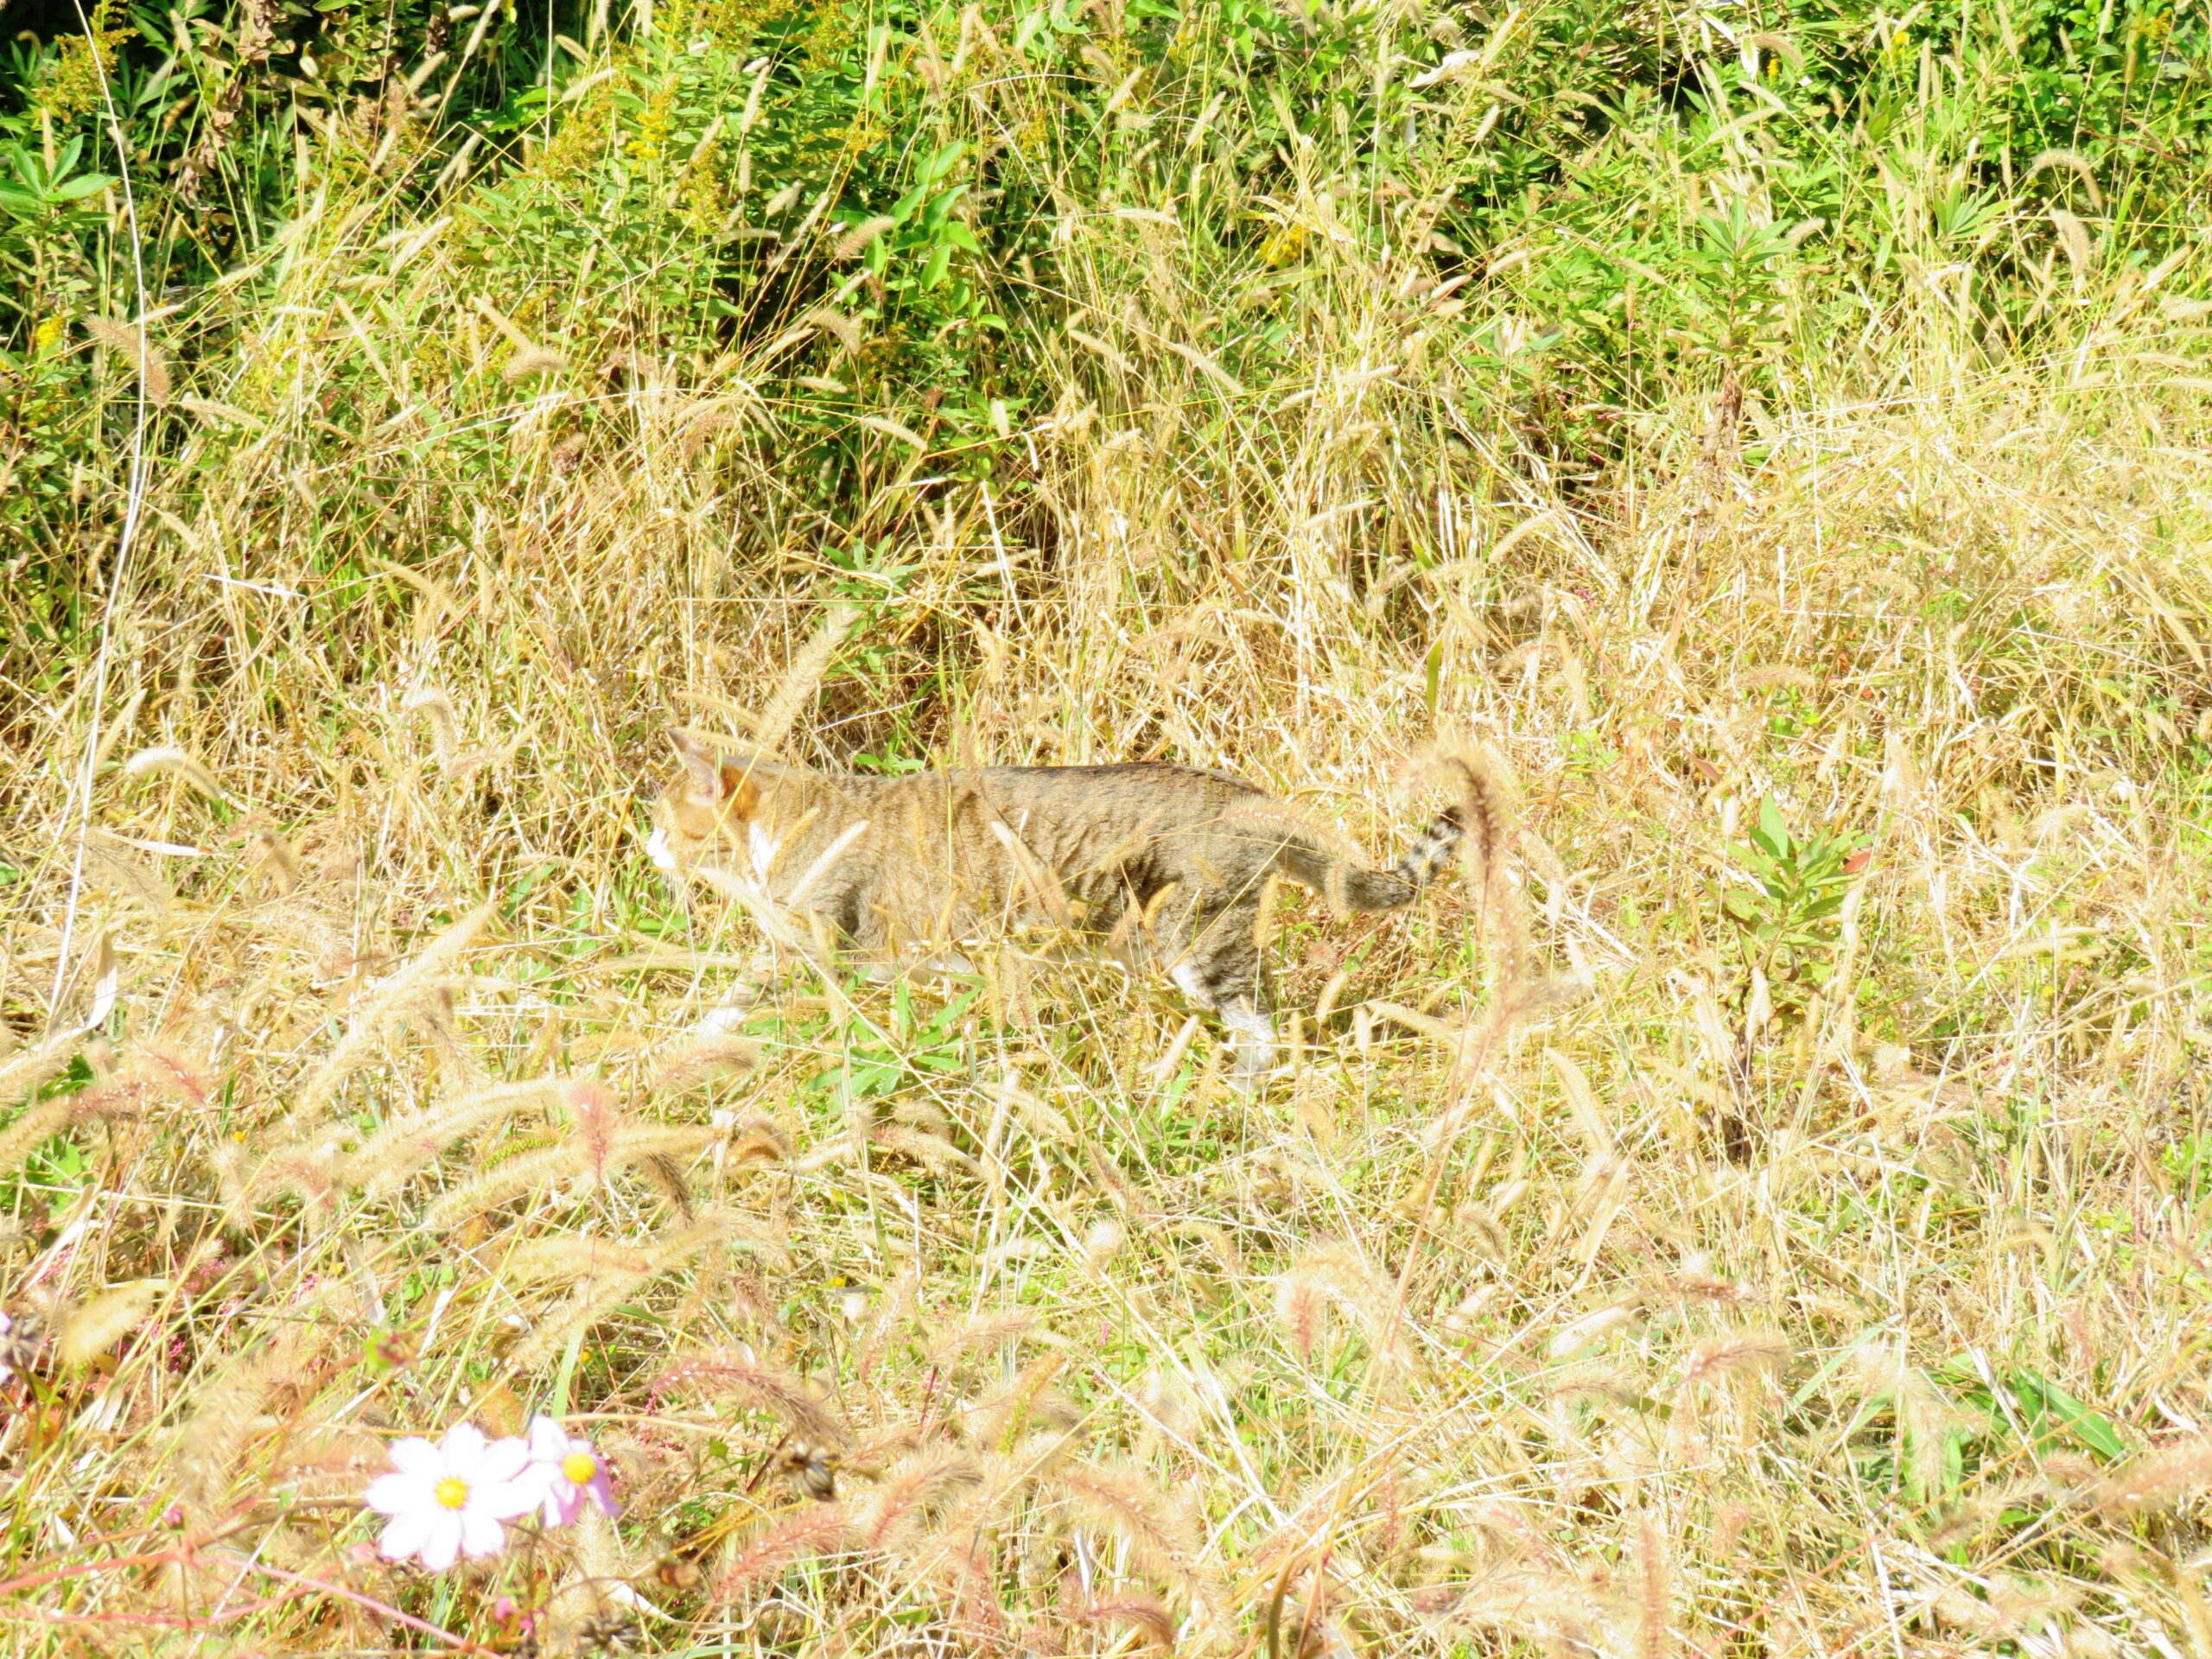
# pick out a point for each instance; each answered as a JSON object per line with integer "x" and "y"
{"x": 170, "y": 761}
{"x": 140, "y": 355}
{"x": 90, "y": 1331}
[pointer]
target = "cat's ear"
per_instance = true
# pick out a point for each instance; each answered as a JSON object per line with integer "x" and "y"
{"x": 732, "y": 780}
{"x": 703, "y": 765}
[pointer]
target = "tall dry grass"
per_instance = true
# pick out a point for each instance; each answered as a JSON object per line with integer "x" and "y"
{"x": 1706, "y": 1309}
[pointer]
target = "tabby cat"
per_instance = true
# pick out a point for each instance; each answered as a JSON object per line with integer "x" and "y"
{"x": 1169, "y": 861}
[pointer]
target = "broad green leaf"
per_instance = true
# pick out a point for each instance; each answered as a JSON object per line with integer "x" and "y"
{"x": 943, "y": 162}
{"x": 1772, "y": 833}
{"x": 934, "y": 214}
{"x": 2090, "y": 1429}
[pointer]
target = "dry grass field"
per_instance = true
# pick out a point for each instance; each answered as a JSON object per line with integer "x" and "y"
{"x": 1764, "y": 1211}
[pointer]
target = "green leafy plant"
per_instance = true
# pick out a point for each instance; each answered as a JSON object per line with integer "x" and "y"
{"x": 47, "y": 199}
{"x": 916, "y": 1049}
{"x": 1787, "y": 918}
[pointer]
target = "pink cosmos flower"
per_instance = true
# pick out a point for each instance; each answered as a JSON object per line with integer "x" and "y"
{"x": 448, "y": 1500}
{"x": 568, "y": 1471}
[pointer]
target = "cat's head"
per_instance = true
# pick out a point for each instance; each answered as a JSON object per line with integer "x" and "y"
{"x": 718, "y": 802}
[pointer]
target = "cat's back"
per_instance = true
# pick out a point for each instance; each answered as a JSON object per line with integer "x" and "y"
{"x": 1133, "y": 788}
{"x": 1150, "y": 790}
{"x": 1132, "y": 815}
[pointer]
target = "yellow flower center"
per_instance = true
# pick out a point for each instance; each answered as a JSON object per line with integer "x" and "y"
{"x": 451, "y": 1493}
{"x": 580, "y": 1467}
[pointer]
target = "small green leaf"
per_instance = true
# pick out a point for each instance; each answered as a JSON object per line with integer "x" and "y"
{"x": 943, "y": 162}
{"x": 2089, "y": 1428}
{"x": 1772, "y": 834}
{"x": 934, "y": 214}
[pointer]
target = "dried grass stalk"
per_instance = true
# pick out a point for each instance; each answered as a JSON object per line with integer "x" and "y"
{"x": 412, "y": 981}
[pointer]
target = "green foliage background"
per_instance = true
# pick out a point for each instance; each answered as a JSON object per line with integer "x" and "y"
{"x": 698, "y": 178}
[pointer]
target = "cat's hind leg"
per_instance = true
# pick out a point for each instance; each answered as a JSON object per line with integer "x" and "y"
{"x": 1218, "y": 967}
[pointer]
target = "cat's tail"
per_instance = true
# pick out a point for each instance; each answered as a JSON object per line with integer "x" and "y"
{"x": 1348, "y": 886}
{"x": 1482, "y": 811}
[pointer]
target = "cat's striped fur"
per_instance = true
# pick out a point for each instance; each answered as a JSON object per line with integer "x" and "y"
{"x": 1162, "y": 861}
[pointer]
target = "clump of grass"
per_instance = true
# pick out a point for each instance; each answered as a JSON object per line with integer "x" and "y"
{"x": 1759, "y": 1208}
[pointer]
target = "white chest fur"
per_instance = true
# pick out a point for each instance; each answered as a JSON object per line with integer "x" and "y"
{"x": 763, "y": 848}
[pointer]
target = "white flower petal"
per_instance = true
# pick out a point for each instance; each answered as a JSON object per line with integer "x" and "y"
{"x": 462, "y": 1449}
{"x": 441, "y": 1542}
{"x": 396, "y": 1494}
{"x": 502, "y": 1461}
{"x": 416, "y": 1456}
{"x": 505, "y": 1500}
{"x": 404, "y": 1536}
{"x": 482, "y": 1535}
